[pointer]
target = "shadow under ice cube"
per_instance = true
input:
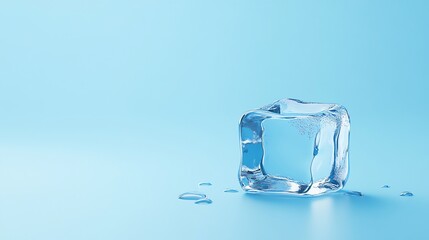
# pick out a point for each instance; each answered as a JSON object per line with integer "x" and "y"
{"x": 294, "y": 147}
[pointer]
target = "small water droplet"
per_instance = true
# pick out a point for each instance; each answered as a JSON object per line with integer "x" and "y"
{"x": 385, "y": 186}
{"x": 406, "y": 194}
{"x": 205, "y": 184}
{"x": 230, "y": 190}
{"x": 353, "y": 193}
{"x": 204, "y": 201}
{"x": 192, "y": 196}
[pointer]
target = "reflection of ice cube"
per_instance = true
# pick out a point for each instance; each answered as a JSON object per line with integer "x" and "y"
{"x": 294, "y": 147}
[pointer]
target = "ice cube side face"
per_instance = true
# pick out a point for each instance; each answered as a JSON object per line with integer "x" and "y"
{"x": 294, "y": 147}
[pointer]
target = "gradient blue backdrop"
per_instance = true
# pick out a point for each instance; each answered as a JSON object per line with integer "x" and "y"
{"x": 110, "y": 109}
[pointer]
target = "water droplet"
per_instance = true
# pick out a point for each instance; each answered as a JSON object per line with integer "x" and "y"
{"x": 204, "y": 201}
{"x": 385, "y": 186}
{"x": 353, "y": 193}
{"x": 315, "y": 151}
{"x": 192, "y": 196}
{"x": 230, "y": 190}
{"x": 205, "y": 184}
{"x": 406, "y": 194}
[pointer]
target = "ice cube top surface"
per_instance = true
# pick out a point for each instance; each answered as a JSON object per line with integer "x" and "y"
{"x": 294, "y": 147}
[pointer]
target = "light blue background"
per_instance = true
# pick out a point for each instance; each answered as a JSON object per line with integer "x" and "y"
{"x": 110, "y": 109}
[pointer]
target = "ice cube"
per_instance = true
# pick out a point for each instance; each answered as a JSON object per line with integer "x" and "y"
{"x": 294, "y": 147}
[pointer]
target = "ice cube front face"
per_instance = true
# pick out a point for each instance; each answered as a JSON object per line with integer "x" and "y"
{"x": 294, "y": 147}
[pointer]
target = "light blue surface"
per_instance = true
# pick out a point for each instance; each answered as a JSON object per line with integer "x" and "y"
{"x": 110, "y": 110}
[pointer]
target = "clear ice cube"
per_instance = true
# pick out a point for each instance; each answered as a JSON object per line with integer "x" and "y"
{"x": 294, "y": 147}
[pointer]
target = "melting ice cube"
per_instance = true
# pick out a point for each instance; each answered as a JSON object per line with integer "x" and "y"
{"x": 294, "y": 147}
